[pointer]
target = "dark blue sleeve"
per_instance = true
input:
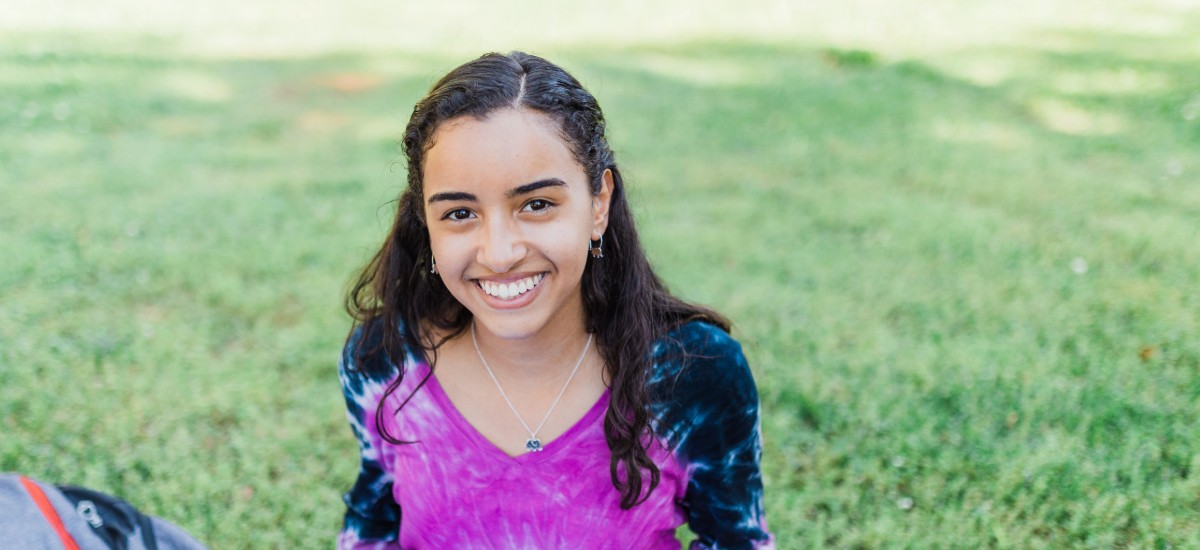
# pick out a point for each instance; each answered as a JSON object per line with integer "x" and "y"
{"x": 707, "y": 409}
{"x": 372, "y": 518}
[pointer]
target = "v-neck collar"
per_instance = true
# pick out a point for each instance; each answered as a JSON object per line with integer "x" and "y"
{"x": 486, "y": 447}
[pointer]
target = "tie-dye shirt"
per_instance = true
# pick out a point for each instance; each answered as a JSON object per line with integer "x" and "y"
{"x": 454, "y": 489}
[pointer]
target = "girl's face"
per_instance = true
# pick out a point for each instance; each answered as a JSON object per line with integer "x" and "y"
{"x": 510, "y": 216}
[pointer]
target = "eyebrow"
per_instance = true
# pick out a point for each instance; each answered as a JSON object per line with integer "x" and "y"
{"x": 453, "y": 196}
{"x": 531, "y": 187}
{"x": 512, "y": 193}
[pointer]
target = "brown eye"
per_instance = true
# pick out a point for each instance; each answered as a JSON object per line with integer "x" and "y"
{"x": 457, "y": 215}
{"x": 537, "y": 205}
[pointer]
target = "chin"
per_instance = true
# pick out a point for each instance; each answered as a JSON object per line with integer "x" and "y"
{"x": 510, "y": 326}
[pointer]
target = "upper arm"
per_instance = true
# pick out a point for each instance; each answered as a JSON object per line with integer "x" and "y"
{"x": 712, "y": 418}
{"x": 372, "y": 516}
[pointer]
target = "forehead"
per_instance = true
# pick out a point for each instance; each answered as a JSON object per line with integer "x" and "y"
{"x": 510, "y": 147}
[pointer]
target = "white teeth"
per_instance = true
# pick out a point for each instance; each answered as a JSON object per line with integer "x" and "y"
{"x": 510, "y": 290}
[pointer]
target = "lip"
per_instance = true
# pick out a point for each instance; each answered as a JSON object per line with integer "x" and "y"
{"x": 512, "y": 303}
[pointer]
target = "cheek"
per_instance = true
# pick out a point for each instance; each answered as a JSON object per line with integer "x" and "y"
{"x": 570, "y": 239}
{"x": 451, "y": 251}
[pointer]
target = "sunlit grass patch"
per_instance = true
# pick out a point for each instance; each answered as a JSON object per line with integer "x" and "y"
{"x": 962, "y": 262}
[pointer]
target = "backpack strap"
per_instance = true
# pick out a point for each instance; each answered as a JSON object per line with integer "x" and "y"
{"x": 115, "y": 521}
{"x": 47, "y": 509}
{"x": 148, "y": 537}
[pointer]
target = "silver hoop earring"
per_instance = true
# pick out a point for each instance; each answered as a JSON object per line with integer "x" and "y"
{"x": 597, "y": 247}
{"x": 432, "y": 264}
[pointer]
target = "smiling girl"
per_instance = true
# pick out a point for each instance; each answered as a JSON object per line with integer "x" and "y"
{"x": 517, "y": 375}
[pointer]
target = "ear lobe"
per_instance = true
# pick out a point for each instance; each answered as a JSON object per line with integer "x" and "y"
{"x": 601, "y": 202}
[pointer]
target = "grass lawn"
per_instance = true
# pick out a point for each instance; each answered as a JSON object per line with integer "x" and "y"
{"x": 960, "y": 245}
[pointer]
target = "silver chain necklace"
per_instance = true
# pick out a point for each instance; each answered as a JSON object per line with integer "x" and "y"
{"x": 533, "y": 444}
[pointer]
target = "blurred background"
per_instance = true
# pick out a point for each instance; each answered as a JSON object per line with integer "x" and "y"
{"x": 959, "y": 241}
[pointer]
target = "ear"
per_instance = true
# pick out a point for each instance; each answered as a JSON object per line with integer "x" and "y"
{"x": 600, "y": 205}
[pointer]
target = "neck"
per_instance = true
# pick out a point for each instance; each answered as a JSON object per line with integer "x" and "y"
{"x": 535, "y": 358}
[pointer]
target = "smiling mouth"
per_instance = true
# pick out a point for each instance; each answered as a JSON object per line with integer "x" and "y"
{"x": 508, "y": 291}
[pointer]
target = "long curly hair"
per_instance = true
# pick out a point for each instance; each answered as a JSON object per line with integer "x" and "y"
{"x": 626, "y": 305}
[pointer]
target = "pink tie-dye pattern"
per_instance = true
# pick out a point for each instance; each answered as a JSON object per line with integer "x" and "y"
{"x": 457, "y": 490}
{"x": 348, "y": 540}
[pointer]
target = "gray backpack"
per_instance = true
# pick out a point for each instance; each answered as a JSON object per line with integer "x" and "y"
{"x": 36, "y": 515}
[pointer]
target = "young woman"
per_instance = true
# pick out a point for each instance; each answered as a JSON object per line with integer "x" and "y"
{"x": 517, "y": 376}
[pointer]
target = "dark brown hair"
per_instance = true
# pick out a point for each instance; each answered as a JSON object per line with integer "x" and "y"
{"x": 626, "y": 305}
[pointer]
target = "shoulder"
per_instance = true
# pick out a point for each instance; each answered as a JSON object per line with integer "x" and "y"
{"x": 700, "y": 382}
{"x": 699, "y": 352}
{"x": 365, "y": 365}
{"x": 706, "y": 408}
{"x": 701, "y": 336}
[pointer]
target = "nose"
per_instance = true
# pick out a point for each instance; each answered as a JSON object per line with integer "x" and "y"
{"x": 502, "y": 246}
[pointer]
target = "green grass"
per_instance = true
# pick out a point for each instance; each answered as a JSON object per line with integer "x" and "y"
{"x": 960, "y": 249}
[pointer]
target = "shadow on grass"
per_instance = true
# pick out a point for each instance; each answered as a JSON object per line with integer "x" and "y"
{"x": 966, "y": 283}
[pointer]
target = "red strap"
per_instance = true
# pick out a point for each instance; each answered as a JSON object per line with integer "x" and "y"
{"x": 47, "y": 510}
